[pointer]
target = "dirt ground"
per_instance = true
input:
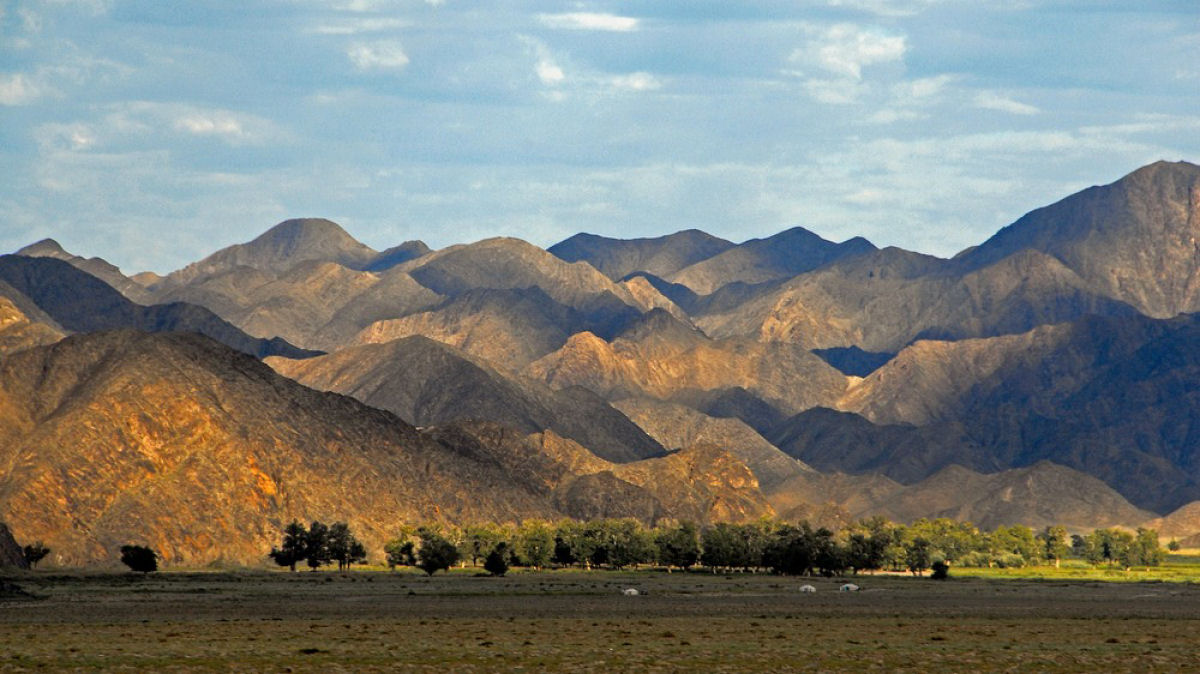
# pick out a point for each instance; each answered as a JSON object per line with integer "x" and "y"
{"x": 580, "y": 621}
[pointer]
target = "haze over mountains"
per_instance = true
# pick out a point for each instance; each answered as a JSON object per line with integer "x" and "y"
{"x": 1047, "y": 376}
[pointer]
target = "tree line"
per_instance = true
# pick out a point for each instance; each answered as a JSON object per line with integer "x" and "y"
{"x": 872, "y": 544}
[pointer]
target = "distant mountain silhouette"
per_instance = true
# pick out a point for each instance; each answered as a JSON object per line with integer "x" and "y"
{"x": 660, "y": 256}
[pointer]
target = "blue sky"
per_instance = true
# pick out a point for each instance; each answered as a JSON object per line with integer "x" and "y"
{"x": 151, "y": 133}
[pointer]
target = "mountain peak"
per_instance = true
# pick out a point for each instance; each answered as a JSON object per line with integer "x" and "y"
{"x": 44, "y": 248}
{"x": 1119, "y": 238}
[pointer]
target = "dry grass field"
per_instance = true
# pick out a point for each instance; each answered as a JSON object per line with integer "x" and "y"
{"x": 580, "y": 621}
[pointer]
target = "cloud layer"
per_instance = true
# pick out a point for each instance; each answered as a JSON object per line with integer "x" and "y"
{"x": 152, "y": 133}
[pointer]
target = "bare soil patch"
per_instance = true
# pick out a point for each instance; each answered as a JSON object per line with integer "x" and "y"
{"x": 581, "y": 621}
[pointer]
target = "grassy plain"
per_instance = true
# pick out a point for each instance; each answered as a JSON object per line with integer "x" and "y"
{"x": 580, "y": 621}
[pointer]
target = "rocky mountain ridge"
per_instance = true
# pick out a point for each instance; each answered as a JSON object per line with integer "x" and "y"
{"x": 1031, "y": 377}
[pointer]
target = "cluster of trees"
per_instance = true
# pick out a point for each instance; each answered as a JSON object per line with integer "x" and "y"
{"x": 318, "y": 545}
{"x": 796, "y": 549}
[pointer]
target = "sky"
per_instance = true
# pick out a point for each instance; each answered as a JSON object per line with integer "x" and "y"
{"x": 153, "y": 133}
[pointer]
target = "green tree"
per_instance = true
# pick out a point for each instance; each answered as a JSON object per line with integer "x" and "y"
{"x": 1142, "y": 550}
{"x": 1015, "y": 540}
{"x": 1107, "y": 546}
{"x": 292, "y": 548}
{"x": 35, "y": 553}
{"x": 497, "y": 560}
{"x": 1055, "y": 543}
{"x": 1173, "y": 546}
{"x": 534, "y": 543}
{"x": 139, "y": 558}
{"x": 478, "y": 541}
{"x": 316, "y": 545}
{"x": 436, "y": 553}
{"x": 918, "y": 555}
{"x": 343, "y": 547}
{"x": 678, "y": 545}
{"x": 720, "y": 544}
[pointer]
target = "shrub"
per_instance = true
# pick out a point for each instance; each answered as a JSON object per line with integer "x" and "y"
{"x": 941, "y": 570}
{"x": 497, "y": 560}
{"x": 139, "y": 558}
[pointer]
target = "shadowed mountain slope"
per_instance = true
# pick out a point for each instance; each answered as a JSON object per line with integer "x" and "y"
{"x": 98, "y": 267}
{"x": 660, "y": 256}
{"x": 1115, "y": 398}
{"x": 677, "y": 426}
{"x": 80, "y": 302}
{"x": 205, "y": 454}
{"x": 428, "y": 383}
{"x": 833, "y": 441}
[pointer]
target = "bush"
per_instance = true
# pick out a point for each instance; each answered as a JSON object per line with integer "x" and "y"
{"x": 139, "y": 558}
{"x": 974, "y": 559}
{"x": 941, "y": 570}
{"x": 1010, "y": 560}
{"x": 497, "y": 560}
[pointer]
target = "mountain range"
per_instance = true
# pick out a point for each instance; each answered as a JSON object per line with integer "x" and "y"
{"x": 1046, "y": 376}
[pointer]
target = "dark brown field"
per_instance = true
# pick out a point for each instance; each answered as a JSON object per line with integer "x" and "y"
{"x": 580, "y": 621}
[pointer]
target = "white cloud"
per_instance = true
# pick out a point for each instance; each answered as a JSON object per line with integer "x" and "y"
{"x": 923, "y": 88}
{"x": 377, "y": 55}
{"x": 989, "y": 100}
{"x": 359, "y": 26}
{"x": 638, "y": 81}
{"x": 845, "y": 49}
{"x": 20, "y": 89}
{"x": 842, "y": 51}
{"x": 887, "y": 7}
{"x": 549, "y": 72}
{"x": 589, "y": 21}
{"x": 138, "y": 123}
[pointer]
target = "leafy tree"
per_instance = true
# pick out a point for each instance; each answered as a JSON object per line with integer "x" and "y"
{"x": 436, "y": 552}
{"x": 400, "y": 553}
{"x": 479, "y": 540}
{"x": 1108, "y": 546}
{"x": 534, "y": 543}
{"x": 1142, "y": 550}
{"x": 343, "y": 547}
{"x": 678, "y": 545}
{"x": 1015, "y": 540}
{"x": 497, "y": 560}
{"x": 35, "y": 553}
{"x": 918, "y": 555}
{"x": 720, "y": 547}
{"x": 139, "y": 558}
{"x": 1173, "y": 546}
{"x": 1055, "y": 543}
{"x": 293, "y": 547}
{"x": 316, "y": 545}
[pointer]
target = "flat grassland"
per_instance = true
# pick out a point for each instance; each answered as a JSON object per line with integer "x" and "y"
{"x": 581, "y": 621}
